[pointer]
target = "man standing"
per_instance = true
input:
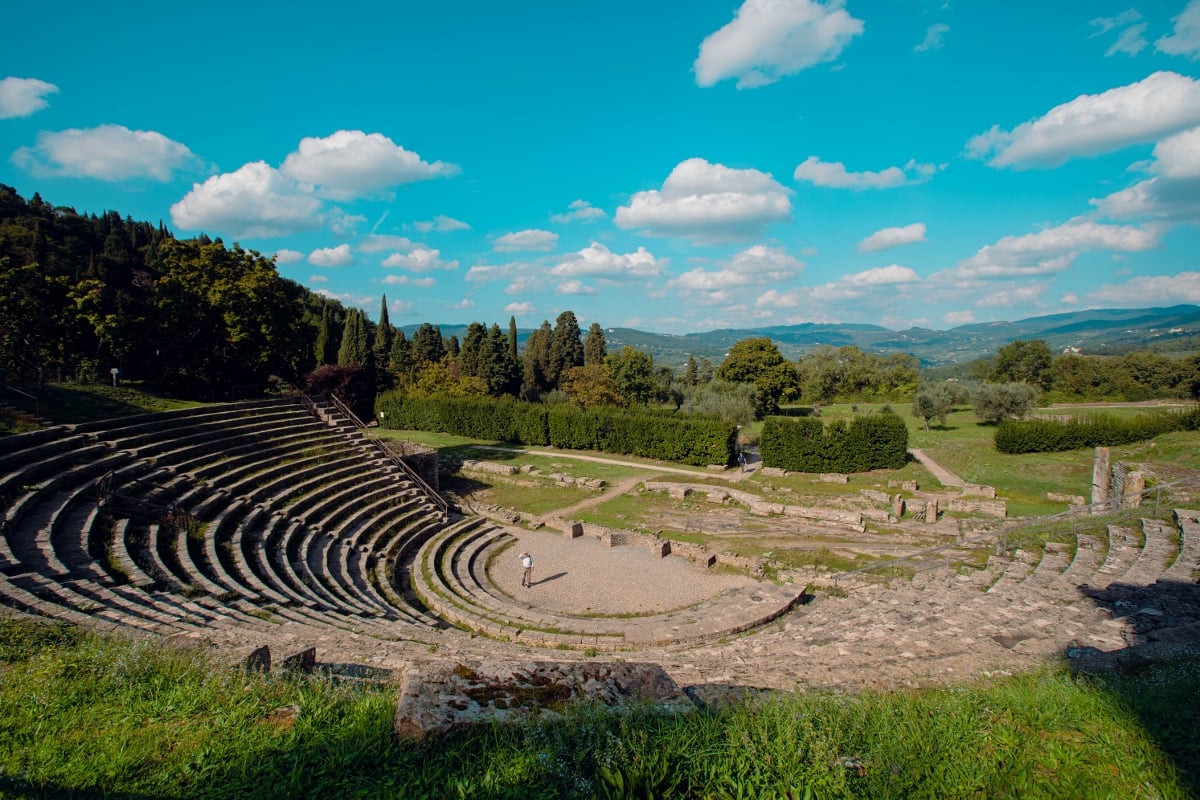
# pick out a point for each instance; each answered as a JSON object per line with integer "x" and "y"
{"x": 527, "y": 575}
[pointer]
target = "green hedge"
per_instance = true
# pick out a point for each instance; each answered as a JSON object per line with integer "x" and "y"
{"x": 665, "y": 435}
{"x": 1101, "y": 430}
{"x": 875, "y": 441}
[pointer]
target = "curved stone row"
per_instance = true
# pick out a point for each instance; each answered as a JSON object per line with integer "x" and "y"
{"x": 252, "y": 515}
{"x": 450, "y": 577}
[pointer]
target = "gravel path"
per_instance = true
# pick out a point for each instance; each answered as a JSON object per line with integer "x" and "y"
{"x": 582, "y": 576}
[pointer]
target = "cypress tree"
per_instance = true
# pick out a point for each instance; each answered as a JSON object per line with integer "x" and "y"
{"x": 595, "y": 348}
{"x": 566, "y": 350}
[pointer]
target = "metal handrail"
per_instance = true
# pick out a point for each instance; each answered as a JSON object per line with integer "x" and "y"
{"x": 437, "y": 499}
{"x": 37, "y": 405}
{"x": 1001, "y": 535}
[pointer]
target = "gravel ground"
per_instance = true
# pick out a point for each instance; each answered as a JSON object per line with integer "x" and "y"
{"x": 582, "y": 576}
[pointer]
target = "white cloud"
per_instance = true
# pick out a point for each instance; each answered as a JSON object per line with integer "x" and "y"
{"x": 1105, "y": 24}
{"x": 959, "y": 318}
{"x": 1183, "y": 287}
{"x": 1054, "y": 249}
{"x": 834, "y": 175}
{"x": 598, "y": 261}
{"x": 1131, "y": 41}
{"x": 1024, "y": 295}
{"x": 1184, "y": 39}
{"x": 934, "y": 37}
{"x": 881, "y": 276}
{"x": 519, "y": 308}
{"x": 574, "y": 287}
{"x": 531, "y": 239}
{"x": 754, "y": 266}
{"x": 420, "y": 259}
{"x": 349, "y": 164}
{"x": 580, "y": 210}
{"x": 1173, "y": 193}
{"x": 408, "y": 280}
{"x": 20, "y": 97}
{"x": 106, "y": 152}
{"x": 893, "y": 237}
{"x": 342, "y": 223}
{"x": 708, "y": 203}
{"x": 318, "y": 279}
{"x": 770, "y": 39}
{"x": 286, "y": 256}
{"x": 254, "y": 202}
{"x": 377, "y": 243}
{"x": 463, "y": 304}
{"x": 339, "y": 256}
{"x": 1069, "y": 299}
{"x": 441, "y": 224}
{"x": 1162, "y": 104}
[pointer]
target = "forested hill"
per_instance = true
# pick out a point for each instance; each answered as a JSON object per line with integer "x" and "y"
{"x": 81, "y": 294}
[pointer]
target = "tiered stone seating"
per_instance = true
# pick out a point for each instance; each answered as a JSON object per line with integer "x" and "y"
{"x": 240, "y": 483}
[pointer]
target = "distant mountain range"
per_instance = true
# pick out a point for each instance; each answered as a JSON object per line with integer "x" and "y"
{"x": 1092, "y": 331}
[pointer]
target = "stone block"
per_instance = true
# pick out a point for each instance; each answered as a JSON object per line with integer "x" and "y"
{"x": 975, "y": 490}
{"x": 259, "y": 660}
{"x": 834, "y": 477}
{"x": 575, "y": 531}
{"x": 991, "y": 508}
{"x": 439, "y": 697}
{"x": 718, "y": 498}
{"x": 774, "y": 471}
{"x": 875, "y": 496}
{"x": 663, "y": 548}
{"x": 931, "y": 511}
{"x": 304, "y": 661}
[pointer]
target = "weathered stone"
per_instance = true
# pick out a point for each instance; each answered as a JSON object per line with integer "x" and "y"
{"x": 976, "y": 490}
{"x": 304, "y": 661}
{"x": 774, "y": 471}
{"x": 834, "y": 477}
{"x": 259, "y": 660}
{"x": 905, "y": 486}
{"x": 1069, "y": 499}
{"x": 1100, "y": 477}
{"x": 1135, "y": 484}
{"x": 679, "y": 492}
{"x": 931, "y": 511}
{"x": 897, "y": 506}
{"x": 991, "y": 508}
{"x": 875, "y": 495}
{"x": 663, "y": 548}
{"x": 717, "y": 497}
{"x": 443, "y": 696}
{"x": 575, "y": 531}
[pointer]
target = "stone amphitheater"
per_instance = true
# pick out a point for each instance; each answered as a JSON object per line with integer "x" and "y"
{"x": 282, "y": 524}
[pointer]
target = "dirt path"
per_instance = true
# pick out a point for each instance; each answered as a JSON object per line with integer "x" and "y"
{"x": 944, "y": 476}
{"x": 733, "y": 476}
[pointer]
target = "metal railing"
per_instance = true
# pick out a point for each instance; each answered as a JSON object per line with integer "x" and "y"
{"x": 398, "y": 462}
{"x": 37, "y": 404}
{"x": 1001, "y": 536}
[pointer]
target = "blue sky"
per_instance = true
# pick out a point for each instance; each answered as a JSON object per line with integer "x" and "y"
{"x": 668, "y": 166}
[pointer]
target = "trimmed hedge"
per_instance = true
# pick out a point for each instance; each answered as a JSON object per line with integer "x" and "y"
{"x": 876, "y": 441}
{"x": 1101, "y": 430}
{"x": 664, "y": 435}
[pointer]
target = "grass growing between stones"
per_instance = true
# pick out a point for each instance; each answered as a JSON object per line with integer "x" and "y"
{"x": 82, "y": 715}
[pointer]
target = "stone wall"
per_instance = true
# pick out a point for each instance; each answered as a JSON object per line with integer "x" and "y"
{"x": 991, "y": 508}
{"x": 756, "y": 505}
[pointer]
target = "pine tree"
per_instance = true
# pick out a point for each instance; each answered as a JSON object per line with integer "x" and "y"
{"x": 512, "y": 340}
{"x": 384, "y": 333}
{"x": 354, "y": 348}
{"x": 595, "y": 348}
{"x": 566, "y": 350}
{"x": 536, "y": 362}
{"x": 428, "y": 347}
{"x": 324, "y": 337}
{"x": 470, "y": 356}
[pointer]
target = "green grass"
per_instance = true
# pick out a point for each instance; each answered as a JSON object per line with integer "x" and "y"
{"x": 70, "y": 403}
{"x": 82, "y": 715}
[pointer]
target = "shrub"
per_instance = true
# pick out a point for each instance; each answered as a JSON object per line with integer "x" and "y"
{"x": 1101, "y": 430}
{"x": 876, "y": 441}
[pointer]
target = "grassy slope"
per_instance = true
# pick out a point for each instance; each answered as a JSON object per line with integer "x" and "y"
{"x": 81, "y": 713}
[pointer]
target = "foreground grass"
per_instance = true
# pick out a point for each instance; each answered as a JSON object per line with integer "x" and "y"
{"x": 73, "y": 402}
{"x": 82, "y": 715}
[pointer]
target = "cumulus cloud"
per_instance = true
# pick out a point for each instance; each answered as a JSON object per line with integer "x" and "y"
{"x": 286, "y": 256}
{"x": 256, "y": 201}
{"x": 598, "y": 261}
{"x": 20, "y": 97}
{"x": 343, "y": 223}
{"x": 1054, "y": 249}
{"x": 1173, "y": 191}
{"x": 317, "y": 278}
{"x": 893, "y": 237}
{"x": 755, "y": 266}
{"x": 349, "y": 164}
{"x": 420, "y": 259}
{"x": 959, "y": 318}
{"x": 574, "y": 288}
{"x": 525, "y": 240}
{"x": 377, "y": 243}
{"x": 441, "y": 224}
{"x": 1183, "y": 287}
{"x": 1184, "y": 38}
{"x": 1160, "y": 105}
{"x": 519, "y": 308}
{"x": 408, "y": 280}
{"x": 834, "y": 175}
{"x": 934, "y": 38}
{"x": 708, "y": 203}
{"x": 106, "y": 152}
{"x": 579, "y": 211}
{"x": 770, "y": 39}
{"x": 881, "y": 276}
{"x": 339, "y": 256}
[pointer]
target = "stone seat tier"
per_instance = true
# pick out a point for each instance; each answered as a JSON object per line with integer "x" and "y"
{"x": 1186, "y": 565}
{"x": 157, "y": 439}
{"x": 14, "y": 446}
{"x": 1157, "y": 552}
{"x": 176, "y": 419}
{"x": 1122, "y": 553}
{"x": 30, "y": 466}
{"x": 220, "y": 451}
